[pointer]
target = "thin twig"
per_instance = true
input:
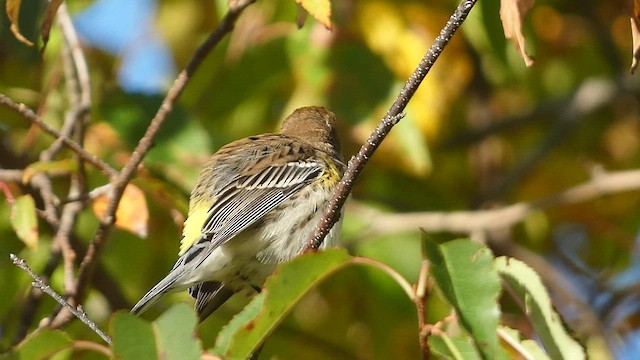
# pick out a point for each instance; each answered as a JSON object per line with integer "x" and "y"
{"x": 357, "y": 163}
{"x": 40, "y": 284}
{"x": 28, "y": 114}
{"x": 422, "y": 293}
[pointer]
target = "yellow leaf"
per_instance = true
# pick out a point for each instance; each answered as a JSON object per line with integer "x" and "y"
{"x": 132, "y": 214}
{"x": 23, "y": 220}
{"x": 13, "y": 13}
{"x": 633, "y": 8}
{"x": 512, "y": 13}
{"x": 319, "y": 9}
{"x": 50, "y": 167}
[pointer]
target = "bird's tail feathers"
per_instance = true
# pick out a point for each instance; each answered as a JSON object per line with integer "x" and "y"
{"x": 168, "y": 284}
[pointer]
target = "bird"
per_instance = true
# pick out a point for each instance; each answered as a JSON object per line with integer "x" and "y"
{"x": 255, "y": 204}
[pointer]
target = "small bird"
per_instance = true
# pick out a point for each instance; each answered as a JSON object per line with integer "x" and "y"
{"x": 255, "y": 204}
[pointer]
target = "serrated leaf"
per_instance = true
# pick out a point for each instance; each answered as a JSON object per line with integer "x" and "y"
{"x": 464, "y": 271}
{"x": 42, "y": 344}
{"x": 133, "y": 338}
{"x": 24, "y": 220}
{"x": 319, "y": 9}
{"x": 546, "y": 322}
{"x": 64, "y": 166}
{"x": 247, "y": 330}
{"x": 13, "y": 13}
{"x": 175, "y": 333}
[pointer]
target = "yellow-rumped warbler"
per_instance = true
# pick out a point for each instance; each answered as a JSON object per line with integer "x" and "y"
{"x": 256, "y": 202}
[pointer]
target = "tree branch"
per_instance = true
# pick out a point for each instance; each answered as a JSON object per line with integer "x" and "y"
{"x": 28, "y": 114}
{"x": 394, "y": 114}
{"x": 40, "y": 284}
{"x": 468, "y": 222}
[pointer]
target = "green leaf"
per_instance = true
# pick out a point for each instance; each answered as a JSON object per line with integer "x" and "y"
{"x": 133, "y": 338}
{"x": 247, "y": 330}
{"x": 175, "y": 333}
{"x": 171, "y": 336}
{"x": 519, "y": 347}
{"x": 24, "y": 221}
{"x": 546, "y": 322}
{"x": 464, "y": 272}
{"x": 458, "y": 348}
{"x": 42, "y": 344}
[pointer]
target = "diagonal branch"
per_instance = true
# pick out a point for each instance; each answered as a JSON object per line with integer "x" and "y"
{"x": 357, "y": 163}
{"x": 28, "y": 114}
{"x": 40, "y": 284}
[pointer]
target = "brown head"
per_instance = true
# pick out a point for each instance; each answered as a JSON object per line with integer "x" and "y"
{"x": 315, "y": 125}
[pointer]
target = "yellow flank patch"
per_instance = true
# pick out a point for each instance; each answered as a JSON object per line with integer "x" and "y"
{"x": 331, "y": 176}
{"x": 198, "y": 214}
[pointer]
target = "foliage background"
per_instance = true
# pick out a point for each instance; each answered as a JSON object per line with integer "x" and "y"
{"x": 482, "y": 131}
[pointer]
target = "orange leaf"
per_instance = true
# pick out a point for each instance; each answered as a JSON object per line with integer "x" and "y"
{"x": 132, "y": 214}
{"x": 319, "y": 9}
{"x": 512, "y": 13}
{"x": 13, "y": 13}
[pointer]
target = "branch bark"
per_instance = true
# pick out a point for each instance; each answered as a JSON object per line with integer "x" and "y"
{"x": 394, "y": 114}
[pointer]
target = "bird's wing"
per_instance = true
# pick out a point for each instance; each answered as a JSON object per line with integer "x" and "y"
{"x": 247, "y": 199}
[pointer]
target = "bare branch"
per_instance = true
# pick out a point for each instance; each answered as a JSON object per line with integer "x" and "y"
{"x": 357, "y": 163}
{"x": 28, "y": 114}
{"x": 40, "y": 284}
{"x": 484, "y": 220}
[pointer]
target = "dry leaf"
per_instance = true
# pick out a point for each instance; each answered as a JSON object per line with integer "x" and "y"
{"x": 512, "y": 14}
{"x": 49, "y": 16}
{"x": 633, "y": 8}
{"x": 319, "y": 9}
{"x": 13, "y": 13}
{"x": 132, "y": 214}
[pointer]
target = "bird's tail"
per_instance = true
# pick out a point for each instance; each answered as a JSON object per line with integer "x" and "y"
{"x": 209, "y": 295}
{"x": 168, "y": 284}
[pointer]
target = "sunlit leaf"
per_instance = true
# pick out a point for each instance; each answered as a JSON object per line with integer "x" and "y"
{"x": 512, "y": 13}
{"x": 24, "y": 220}
{"x": 464, "y": 272}
{"x": 248, "y": 329}
{"x": 634, "y": 9}
{"x": 547, "y": 323}
{"x": 319, "y": 9}
{"x": 13, "y": 13}
{"x": 132, "y": 214}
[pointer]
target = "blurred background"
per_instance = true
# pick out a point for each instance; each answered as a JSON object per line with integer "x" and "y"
{"x": 482, "y": 132}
